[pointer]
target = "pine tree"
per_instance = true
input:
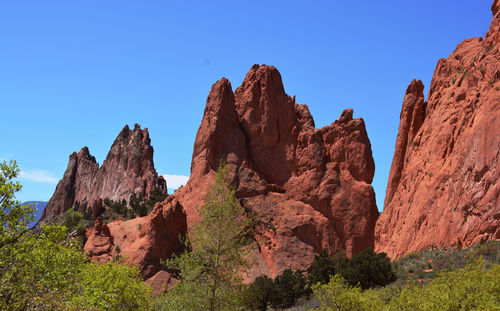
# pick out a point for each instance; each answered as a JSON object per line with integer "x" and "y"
{"x": 211, "y": 272}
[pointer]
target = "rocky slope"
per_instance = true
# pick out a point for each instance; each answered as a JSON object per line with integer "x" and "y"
{"x": 310, "y": 187}
{"x": 443, "y": 186}
{"x": 128, "y": 168}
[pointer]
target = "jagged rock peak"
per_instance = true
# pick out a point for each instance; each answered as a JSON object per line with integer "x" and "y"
{"x": 312, "y": 184}
{"x": 127, "y": 134}
{"x": 128, "y": 168}
{"x": 84, "y": 153}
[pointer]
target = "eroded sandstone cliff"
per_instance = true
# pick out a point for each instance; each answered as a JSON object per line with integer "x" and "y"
{"x": 443, "y": 186}
{"x": 311, "y": 188}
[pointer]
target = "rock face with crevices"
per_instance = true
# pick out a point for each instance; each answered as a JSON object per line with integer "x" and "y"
{"x": 311, "y": 188}
{"x": 143, "y": 241}
{"x": 443, "y": 186}
{"x": 128, "y": 168}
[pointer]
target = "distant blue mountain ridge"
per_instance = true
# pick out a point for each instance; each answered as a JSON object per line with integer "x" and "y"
{"x": 39, "y": 207}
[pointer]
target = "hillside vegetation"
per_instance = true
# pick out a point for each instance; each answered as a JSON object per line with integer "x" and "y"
{"x": 45, "y": 269}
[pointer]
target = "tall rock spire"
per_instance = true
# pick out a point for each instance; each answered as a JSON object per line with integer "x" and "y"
{"x": 310, "y": 187}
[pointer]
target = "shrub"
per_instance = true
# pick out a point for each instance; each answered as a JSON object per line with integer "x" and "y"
{"x": 471, "y": 288}
{"x": 287, "y": 288}
{"x": 282, "y": 292}
{"x": 258, "y": 293}
{"x": 322, "y": 268}
{"x": 141, "y": 206}
{"x": 368, "y": 269}
{"x": 112, "y": 286}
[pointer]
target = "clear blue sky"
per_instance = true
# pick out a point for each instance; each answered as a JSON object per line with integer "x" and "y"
{"x": 73, "y": 73}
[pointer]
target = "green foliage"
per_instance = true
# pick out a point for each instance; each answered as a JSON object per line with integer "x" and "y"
{"x": 41, "y": 272}
{"x": 471, "y": 288}
{"x": 339, "y": 295}
{"x": 210, "y": 273}
{"x": 14, "y": 217}
{"x": 368, "y": 269}
{"x": 416, "y": 266}
{"x": 44, "y": 269}
{"x": 282, "y": 292}
{"x": 142, "y": 207}
{"x": 136, "y": 202}
{"x": 75, "y": 223}
{"x": 322, "y": 268}
{"x": 87, "y": 213}
{"x": 287, "y": 288}
{"x": 116, "y": 207}
{"x": 112, "y": 286}
{"x": 258, "y": 293}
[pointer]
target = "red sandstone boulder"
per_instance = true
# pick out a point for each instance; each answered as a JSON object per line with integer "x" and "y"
{"x": 143, "y": 241}
{"x": 310, "y": 187}
{"x": 443, "y": 186}
{"x": 128, "y": 168}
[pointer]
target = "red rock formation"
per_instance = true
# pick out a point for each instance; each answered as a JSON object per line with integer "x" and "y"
{"x": 310, "y": 187}
{"x": 74, "y": 186}
{"x": 443, "y": 186}
{"x": 143, "y": 241}
{"x": 128, "y": 168}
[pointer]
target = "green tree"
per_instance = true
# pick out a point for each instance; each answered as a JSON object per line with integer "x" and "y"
{"x": 287, "y": 288}
{"x": 211, "y": 272}
{"x": 368, "y": 268}
{"x": 41, "y": 272}
{"x": 322, "y": 268}
{"x": 44, "y": 269}
{"x": 111, "y": 286}
{"x": 338, "y": 295}
{"x": 14, "y": 216}
{"x": 258, "y": 293}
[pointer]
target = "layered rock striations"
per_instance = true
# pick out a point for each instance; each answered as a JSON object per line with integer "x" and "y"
{"x": 128, "y": 169}
{"x": 443, "y": 187}
{"x": 311, "y": 188}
